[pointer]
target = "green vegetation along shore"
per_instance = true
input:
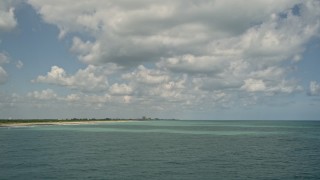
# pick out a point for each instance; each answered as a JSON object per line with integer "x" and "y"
{"x": 29, "y": 122}
{"x": 4, "y": 121}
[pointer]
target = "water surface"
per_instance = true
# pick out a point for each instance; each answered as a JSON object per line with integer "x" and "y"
{"x": 163, "y": 150}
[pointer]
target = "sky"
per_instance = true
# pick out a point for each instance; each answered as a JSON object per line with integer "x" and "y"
{"x": 183, "y": 59}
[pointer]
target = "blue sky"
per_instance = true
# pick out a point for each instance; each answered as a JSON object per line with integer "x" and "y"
{"x": 169, "y": 59}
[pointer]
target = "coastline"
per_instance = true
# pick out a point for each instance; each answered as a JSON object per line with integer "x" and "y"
{"x": 50, "y": 123}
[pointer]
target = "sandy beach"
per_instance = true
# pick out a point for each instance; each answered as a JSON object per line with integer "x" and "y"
{"x": 55, "y": 123}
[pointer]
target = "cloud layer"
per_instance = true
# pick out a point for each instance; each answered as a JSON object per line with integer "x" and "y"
{"x": 130, "y": 33}
{"x": 164, "y": 54}
{"x": 193, "y": 48}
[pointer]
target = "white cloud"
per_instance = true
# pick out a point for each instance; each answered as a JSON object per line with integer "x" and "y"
{"x": 254, "y": 85}
{"x": 127, "y": 99}
{"x": 91, "y": 78}
{"x": 314, "y": 88}
{"x": 147, "y": 76}
{"x": 72, "y": 98}
{"x": 120, "y": 89}
{"x": 216, "y": 83}
{"x": 191, "y": 64}
{"x": 155, "y": 85}
{"x": 7, "y": 18}
{"x": 4, "y": 58}
{"x": 19, "y": 64}
{"x": 56, "y": 75}
{"x": 130, "y": 33}
{"x": 193, "y": 53}
{"x": 285, "y": 86}
{"x": 47, "y": 94}
{"x": 269, "y": 73}
{"x": 192, "y": 37}
{"x": 88, "y": 52}
{"x": 170, "y": 91}
{"x": 86, "y": 100}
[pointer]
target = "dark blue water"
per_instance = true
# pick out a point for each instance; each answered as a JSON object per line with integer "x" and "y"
{"x": 163, "y": 150}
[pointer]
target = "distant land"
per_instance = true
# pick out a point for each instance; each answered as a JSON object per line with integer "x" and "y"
{"x": 72, "y": 121}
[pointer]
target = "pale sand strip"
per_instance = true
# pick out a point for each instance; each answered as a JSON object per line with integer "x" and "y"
{"x": 55, "y": 123}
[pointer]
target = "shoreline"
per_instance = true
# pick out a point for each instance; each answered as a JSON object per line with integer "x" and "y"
{"x": 51, "y": 123}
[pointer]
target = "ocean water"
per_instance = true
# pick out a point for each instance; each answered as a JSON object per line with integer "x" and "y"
{"x": 163, "y": 150}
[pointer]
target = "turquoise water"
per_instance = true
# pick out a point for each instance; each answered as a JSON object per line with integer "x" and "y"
{"x": 163, "y": 150}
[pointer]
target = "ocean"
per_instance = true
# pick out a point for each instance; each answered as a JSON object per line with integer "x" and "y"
{"x": 145, "y": 150}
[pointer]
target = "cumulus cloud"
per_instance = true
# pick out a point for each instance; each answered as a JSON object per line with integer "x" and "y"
{"x": 88, "y": 79}
{"x": 191, "y": 52}
{"x": 154, "y": 83}
{"x": 120, "y": 89}
{"x": 147, "y": 76}
{"x": 130, "y": 33}
{"x": 314, "y": 88}
{"x": 7, "y": 18}
{"x": 47, "y": 94}
{"x": 72, "y": 98}
{"x": 191, "y": 64}
{"x": 191, "y": 36}
{"x": 253, "y": 85}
